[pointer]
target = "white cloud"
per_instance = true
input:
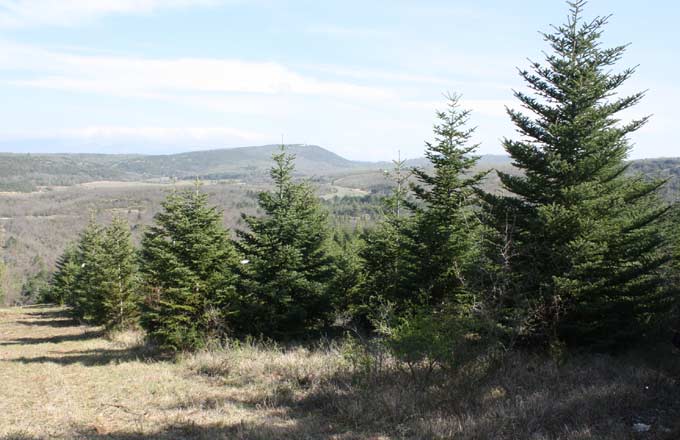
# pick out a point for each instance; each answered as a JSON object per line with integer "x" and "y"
{"x": 377, "y": 74}
{"x": 148, "y": 77}
{"x": 146, "y": 135}
{"x": 196, "y": 135}
{"x": 26, "y": 13}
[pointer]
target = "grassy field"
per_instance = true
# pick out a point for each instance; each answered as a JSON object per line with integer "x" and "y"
{"x": 62, "y": 380}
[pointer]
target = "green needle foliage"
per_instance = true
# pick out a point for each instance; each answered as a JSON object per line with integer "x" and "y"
{"x": 99, "y": 277}
{"x": 187, "y": 262}
{"x": 446, "y": 227}
{"x": 586, "y": 242}
{"x": 63, "y": 281}
{"x": 287, "y": 266}
{"x": 346, "y": 285}
{"x": 423, "y": 251}
{"x": 120, "y": 296}
{"x": 91, "y": 253}
{"x": 388, "y": 261}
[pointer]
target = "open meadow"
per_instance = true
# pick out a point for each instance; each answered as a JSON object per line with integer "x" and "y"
{"x": 61, "y": 380}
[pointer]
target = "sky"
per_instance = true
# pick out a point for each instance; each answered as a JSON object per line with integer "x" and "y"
{"x": 361, "y": 78}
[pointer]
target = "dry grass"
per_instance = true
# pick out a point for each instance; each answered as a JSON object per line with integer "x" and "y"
{"x": 60, "y": 380}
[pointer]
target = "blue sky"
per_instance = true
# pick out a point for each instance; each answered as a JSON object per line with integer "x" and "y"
{"x": 360, "y": 78}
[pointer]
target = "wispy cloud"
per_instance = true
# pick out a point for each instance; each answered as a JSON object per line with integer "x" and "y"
{"x": 129, "y": 136}
{"x": 378, "y": 74}
{"x": 156, "y": 77}
{"x": 183, "y": 135}
{"x": 28, "y": 13}
{"x": 263, "y": 99}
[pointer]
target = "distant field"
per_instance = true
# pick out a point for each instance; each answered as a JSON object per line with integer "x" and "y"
{"x": 61, "y": 380}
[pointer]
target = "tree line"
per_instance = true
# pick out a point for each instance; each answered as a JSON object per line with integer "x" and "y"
{"x": 573, "y": 252}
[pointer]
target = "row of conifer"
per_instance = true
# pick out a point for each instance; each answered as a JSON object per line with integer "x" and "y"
{"x": 574, "y": 250}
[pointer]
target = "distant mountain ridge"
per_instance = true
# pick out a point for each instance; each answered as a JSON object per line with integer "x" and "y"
{"x": 26, "y": 172}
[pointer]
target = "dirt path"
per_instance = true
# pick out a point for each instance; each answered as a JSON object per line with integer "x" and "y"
{"x": 62, "y": 380}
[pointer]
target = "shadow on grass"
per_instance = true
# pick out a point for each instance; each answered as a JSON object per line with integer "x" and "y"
{"x": 49, "y": 317}
{"x": 96, "y": 357}
{"x": 39, "y": 306}
{"x": 47, "y": 311}
{"x": 49, "y": 322}
{"x": 587, "y": 398}
{"x": 91, "y": 334}
{"x": 192, "y": 431}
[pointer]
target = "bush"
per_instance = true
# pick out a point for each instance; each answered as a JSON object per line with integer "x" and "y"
{"x": 425, "y": 340}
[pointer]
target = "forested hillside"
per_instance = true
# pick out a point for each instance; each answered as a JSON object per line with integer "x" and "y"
{"x": 27, "y": 172}
{"x": 667, "y": 168}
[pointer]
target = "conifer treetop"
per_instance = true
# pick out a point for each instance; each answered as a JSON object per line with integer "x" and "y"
{"x": 572, "y": 131}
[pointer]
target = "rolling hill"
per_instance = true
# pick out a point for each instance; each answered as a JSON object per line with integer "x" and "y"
{"x": 26, "y": 172}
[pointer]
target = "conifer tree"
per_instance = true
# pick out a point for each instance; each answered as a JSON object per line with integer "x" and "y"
{"x": 63, "y": 280}
{"x": 98, "y": 278}
{"x": 85, "y": 298}
{"x": 346, "y": 285}
{"x": 388, "y": 262}
{"x": 187, "y": 265}
{"x": 119, "y": 292}
{"x": 586, "y": 238}
{"x": 446, "y": 228}
{"x": 36, "y": 287}
{"x": 284, "y": 281}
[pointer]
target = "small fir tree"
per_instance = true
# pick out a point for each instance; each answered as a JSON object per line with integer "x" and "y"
{"x": 284, "y": 281}
{"x": 120, "y": 294}
{"x": 187, "y": 266}
{"x": 346, "y": 285}
{"x": 63, "y": 281}
{"x": 36, "y": 288}
{"x": 387, "y": 259}
{"x": 85, "y": 299}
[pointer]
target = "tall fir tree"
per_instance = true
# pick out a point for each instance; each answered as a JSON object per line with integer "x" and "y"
{"x": 119, "y": 307}
{"x": 586, "y": 238}
{"x": 445, "y": 224}
{"x": 187, "y": 266}
{"x": 423, "y": 251}
{"x": 63, "y": 281}
{"x": 287, "y": 270}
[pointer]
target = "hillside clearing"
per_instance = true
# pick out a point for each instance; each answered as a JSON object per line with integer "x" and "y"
{"x": 62, "y": 380}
